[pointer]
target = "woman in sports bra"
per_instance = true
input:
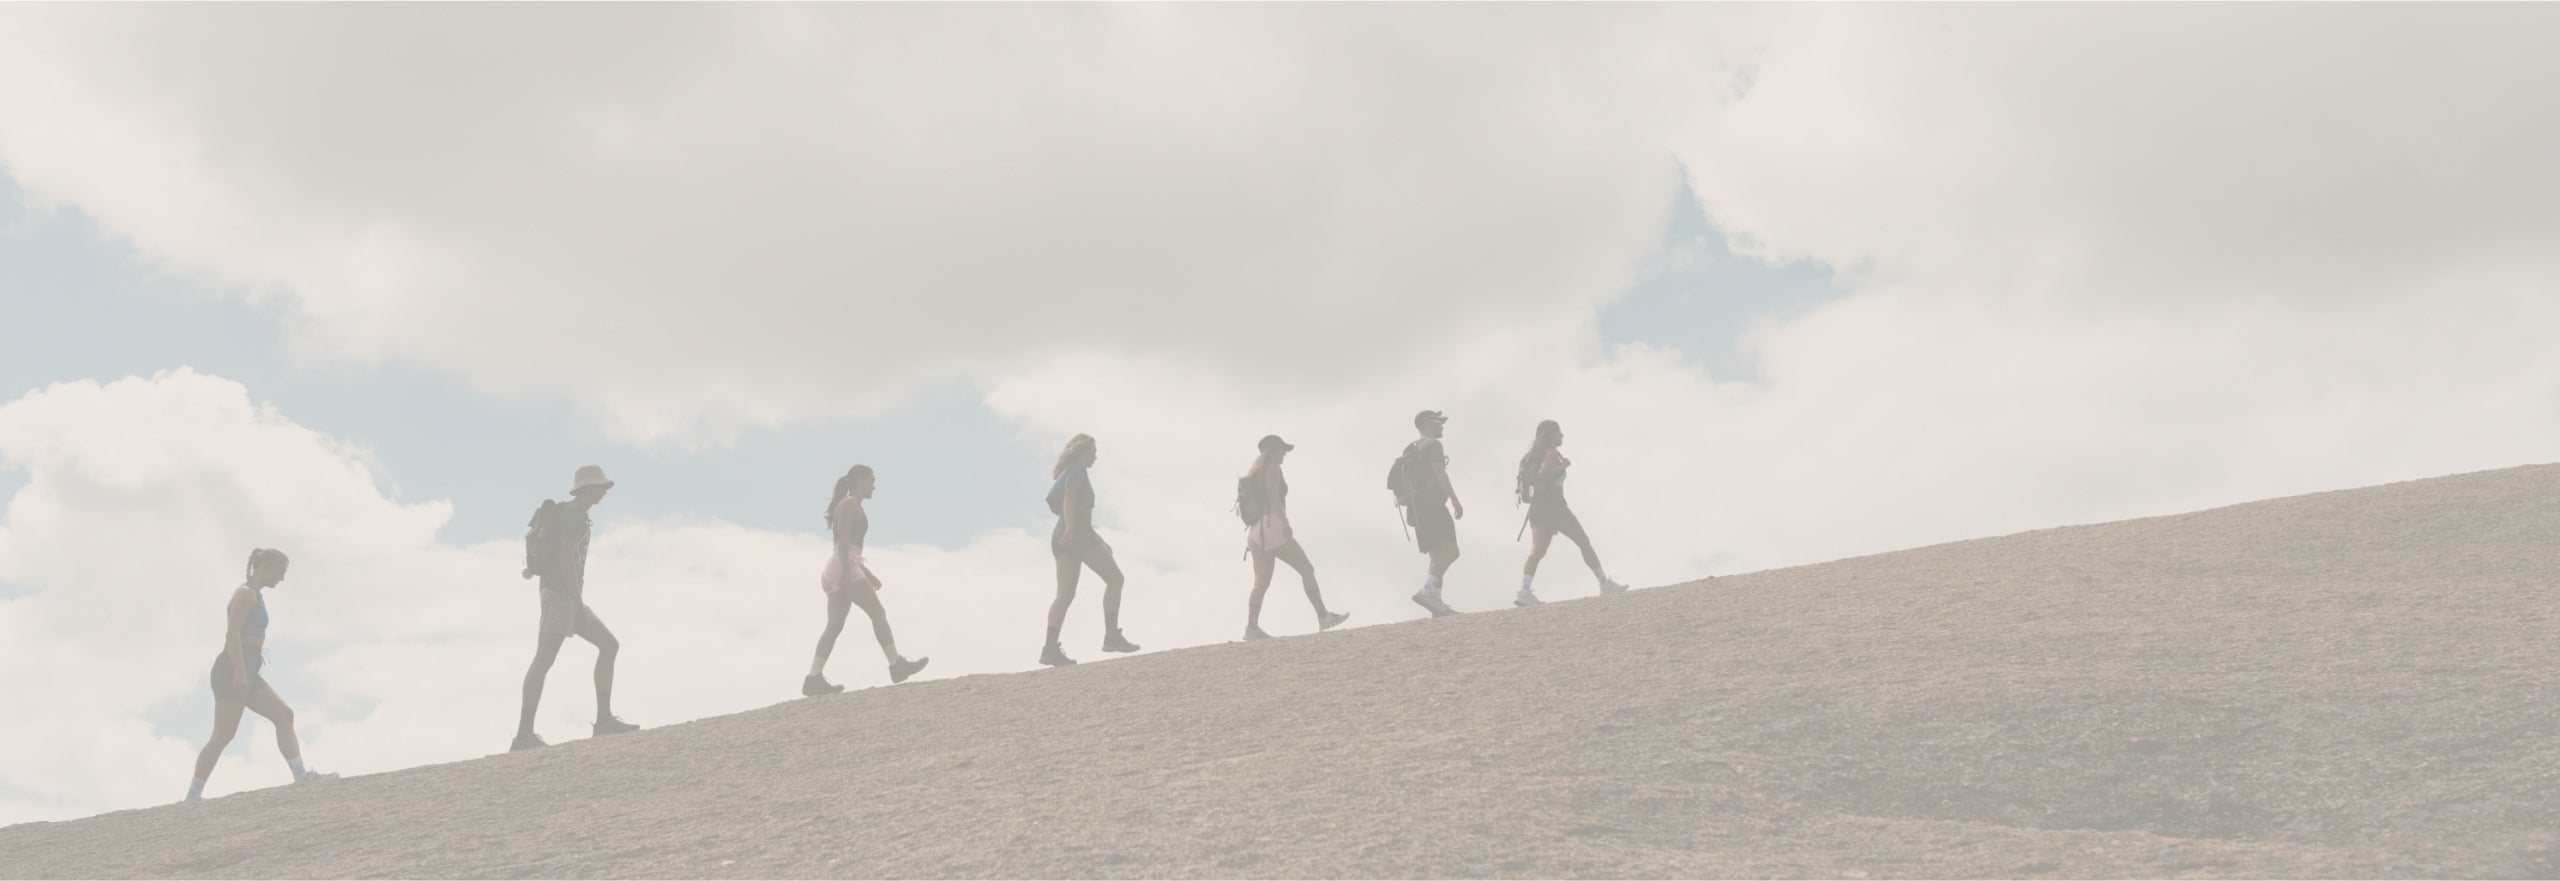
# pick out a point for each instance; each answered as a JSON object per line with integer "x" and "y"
{"x": 1076, "y": 546}
{"x": 1541, "y": 484}
{"x": 1269, "y": 539}
{"x": 849, "y": 583}
{"x": 237, "y": 684}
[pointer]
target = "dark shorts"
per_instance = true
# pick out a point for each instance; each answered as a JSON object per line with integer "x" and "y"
{"x": 565, "y": 613}
{"x": 222, "y": 675}
{"x": 1432, "y": 527}
{"x": 1076, "y": 545}
{"x": 1553, "y": 515}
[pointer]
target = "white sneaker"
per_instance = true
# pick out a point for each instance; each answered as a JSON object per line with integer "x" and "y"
{"x": 317, "y": 776}
{"x": 1525, "y": 599}
{"x": 1430, "y": 600}
{"x": 1612, "y": 586}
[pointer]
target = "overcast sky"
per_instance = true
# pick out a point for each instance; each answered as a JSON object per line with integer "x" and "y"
{"x": 367, "y": 283}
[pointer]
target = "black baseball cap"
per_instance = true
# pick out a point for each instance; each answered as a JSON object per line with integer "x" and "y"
{"x": 1429, "y": 416}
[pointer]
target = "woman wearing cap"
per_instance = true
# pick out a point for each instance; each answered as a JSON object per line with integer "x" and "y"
{"x": 1076, "y": 546}
{"x": 236, "y": 683}
{"x": 849, "y": 583}
{"x": 1268, "y": 538}
{"x": 1541, "y": 484}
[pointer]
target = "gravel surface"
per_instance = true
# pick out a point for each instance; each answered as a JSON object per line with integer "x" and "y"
{"x": 2350, "y": 684}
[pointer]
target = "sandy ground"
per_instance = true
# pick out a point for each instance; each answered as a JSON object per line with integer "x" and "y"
{"x": 2349, "y": 684}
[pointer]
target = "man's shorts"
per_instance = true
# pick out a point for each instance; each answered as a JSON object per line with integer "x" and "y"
{"x": 1432, "y": 527}
{"x": 565, "y": 613}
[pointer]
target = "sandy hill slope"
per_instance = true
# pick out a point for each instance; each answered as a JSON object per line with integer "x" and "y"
{"x": 2355, "y": 683}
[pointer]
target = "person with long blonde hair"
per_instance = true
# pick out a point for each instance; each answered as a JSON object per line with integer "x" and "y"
{"x": 1077, "y": 547}
{"x": 848, "y": 582}
{"x": 1262, "y": 495}
{"x": 1541, "y": 485}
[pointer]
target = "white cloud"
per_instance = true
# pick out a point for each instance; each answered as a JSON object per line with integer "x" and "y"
{"x": 701, "y": 219}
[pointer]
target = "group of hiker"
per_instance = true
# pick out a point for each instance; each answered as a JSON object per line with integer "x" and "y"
{"x": 556, "y": 541}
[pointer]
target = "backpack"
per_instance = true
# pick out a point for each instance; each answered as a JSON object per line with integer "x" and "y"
{"x": 1250, "y": 504}
{"x": 539, "y": 548}
{"x": 1405, "y": 477}
{"x": 1525, "y": 485}
{"x": 1253, "y": 501}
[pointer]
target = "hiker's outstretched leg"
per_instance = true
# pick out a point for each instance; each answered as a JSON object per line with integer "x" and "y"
{"x": 546, "y": 649}
{"x": 869, "y": 600}
{"x": 839, "y": 606}
{"x": 1070, "y": 570}
{"x": 1109, "y": 569}
{"x": 592, "y": 629}
{"x": 1296, "y": 557}
{"x": 1261, "y": 584}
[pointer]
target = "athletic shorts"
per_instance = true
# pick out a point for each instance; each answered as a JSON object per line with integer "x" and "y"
{"x": 1433, "y": 529}
{"x": 1270, "y": 535}
{"x": 841, "y": 579}
{"x": 222, "y": 674}
{"x": 565, "y": 613}
{"x": 1552, "y": 515}
{"x": 1077, "y": 545}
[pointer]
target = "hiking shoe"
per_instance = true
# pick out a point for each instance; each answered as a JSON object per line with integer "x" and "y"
{"x": 1117, "y": 643}
{"x": 526, "y": 741}
{"x": 1431, "y": 601}
{"x": 310, "y": 776}
{"x": 817, "y": 684}
{"x": 1525, "y": 599}
{"x": 1328, "y": 622}
{"x": 1056, "y": 657}
{"x": 611, "y": 725}
{"x": 1252, "y": 632}
{"x": 898, "y": 672}
{"x": 1612, "y": 586}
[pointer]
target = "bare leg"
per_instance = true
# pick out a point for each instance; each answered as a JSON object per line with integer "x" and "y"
{"x": 838, "y": 607}
{"x": 267, "y": 704}
{"x": 1572, "y": 529}
{"x": 1261, "y": 583}
{"x": 1104, "y": 565}
{"x": 546, "y": 648}
{"x": 869, "y": 600}
{"x": 592, "y": 629}
{"x": 1069, "y": 570}
{"x": 1296, "y": 557}
{"x": 1542, "y": 535}
{"x": 226, "y": 723}
{"x": 1440, "y": 559}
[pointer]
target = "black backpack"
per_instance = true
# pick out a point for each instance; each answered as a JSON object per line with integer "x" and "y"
{"x": 539, "y": 547}
{"x": 1250, "y": 505}
{"x": 1405, "y": 477}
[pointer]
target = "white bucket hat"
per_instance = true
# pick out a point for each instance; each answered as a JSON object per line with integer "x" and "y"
{"x": 590, "y": 475}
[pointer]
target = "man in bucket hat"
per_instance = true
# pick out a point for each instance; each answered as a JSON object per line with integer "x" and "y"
{"x": 556, "y": 551}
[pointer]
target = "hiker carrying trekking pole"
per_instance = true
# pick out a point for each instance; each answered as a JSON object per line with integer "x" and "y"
{"x": 1420, "y": 481}
{"x": 1540, "y": 484}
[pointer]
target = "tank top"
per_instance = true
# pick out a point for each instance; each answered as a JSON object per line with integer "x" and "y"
{"x": 256, "y": 624}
